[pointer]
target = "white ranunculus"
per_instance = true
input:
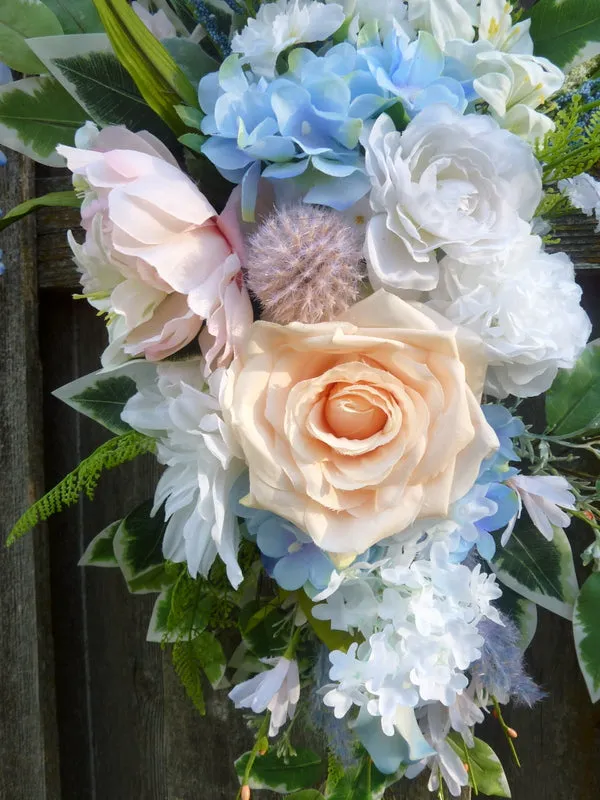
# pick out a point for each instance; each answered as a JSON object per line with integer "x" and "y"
{"x": 445, "y": 19}
{"x": 202, "y": 463}
{"x": 514, "y": 84}
{"x": 459, "y": 183}
{"x": 526, "y": 308}
{"x": 280, "y": 25}
{"x": 277, "y": 689}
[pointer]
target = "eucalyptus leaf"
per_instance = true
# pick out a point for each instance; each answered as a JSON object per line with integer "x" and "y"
{"x": 76, "y": 16}
{"x": 562, "y": 30}
{"x": 36, "y": 114}
{"x": 66, "y": 199}
{"x": 20, "y": 20}
{"x": 100, "y": 551}
{"x": 485, "y": 770}
{"x": 573, "y": 401}
{"x": 159, "y": 79}
{"x": 284, "y": 776}
{"x": 102, "y": 395}
{"x": 539, "y": 570}
{"x": 138, "y": 550}
{"x": 586, "y": 631}
{"x": 89, "y": 70}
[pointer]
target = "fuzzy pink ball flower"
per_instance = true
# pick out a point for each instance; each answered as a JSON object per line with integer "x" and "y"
{"x": 304, "y": 265}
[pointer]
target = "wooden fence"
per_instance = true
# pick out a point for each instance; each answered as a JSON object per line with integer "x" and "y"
{"x": 88, "y": 709}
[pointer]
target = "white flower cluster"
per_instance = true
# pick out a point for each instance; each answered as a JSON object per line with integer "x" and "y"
{"x": 203, "y": 461}
{"x": 419, "y": 620}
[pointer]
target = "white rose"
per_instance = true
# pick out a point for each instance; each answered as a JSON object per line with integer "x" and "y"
{"x": 445, "y": 19}
{"x": 526, "y": 308}
{"x": 449, "y": 181}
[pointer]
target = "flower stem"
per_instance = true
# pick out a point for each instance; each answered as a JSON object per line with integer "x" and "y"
{"x": 506, "y": 729}
{"x": 472, "y": 779}
{"x": 262, "y": 732}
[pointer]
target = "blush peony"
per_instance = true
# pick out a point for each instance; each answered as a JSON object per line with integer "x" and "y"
{"x": 156, "y": 259}
{"x": 355, "y": 428}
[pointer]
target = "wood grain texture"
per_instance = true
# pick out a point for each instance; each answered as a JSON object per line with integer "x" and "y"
{"x": 28, "y": 734}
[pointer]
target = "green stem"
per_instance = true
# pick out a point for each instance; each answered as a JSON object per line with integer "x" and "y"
{"x": 472, "y": 779}
{"x": 505, "y": 727}
{"x": 262, "y": 732}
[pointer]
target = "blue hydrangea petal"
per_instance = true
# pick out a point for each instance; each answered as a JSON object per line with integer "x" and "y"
{"x": 274, "y": 539}
{"x": 209, "y": 90}
{"x": 225, "y": 154}
{"x": 291, "y": 572}
{"x": 508, "y": 505}
{"x": 290, "y": 170}
{"x": 232, "y": 76}
{"x": 486, "y": 545}
{"x": 340, "y": 194}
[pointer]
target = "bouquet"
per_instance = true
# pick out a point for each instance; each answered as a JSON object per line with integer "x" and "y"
{"x": 322, "y": 238}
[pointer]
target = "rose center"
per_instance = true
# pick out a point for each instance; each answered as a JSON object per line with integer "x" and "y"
{"x": 353, "y": 416}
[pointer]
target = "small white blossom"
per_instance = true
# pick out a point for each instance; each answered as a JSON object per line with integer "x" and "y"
{"x": 526, "y": 309}
{"x": 544, "y": 497}
{"x": 420, "y": 625}
{"x": 202, "y": 459}
{"x": 280, "y": 25}
{"x": 277, "y": 690}
{"x": 584, "y": 193}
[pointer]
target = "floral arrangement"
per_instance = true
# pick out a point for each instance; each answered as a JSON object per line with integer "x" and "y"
{"x": 321, "y": 237}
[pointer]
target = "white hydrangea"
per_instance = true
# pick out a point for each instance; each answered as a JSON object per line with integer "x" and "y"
{"x": 526, "y": 308}
{"x": 420, "y": 622}
{"x": 202, "y": 462}
{"x": 584, "y": 193}
{"x": 451, "y": 182}
{"x": 280, "y": 25}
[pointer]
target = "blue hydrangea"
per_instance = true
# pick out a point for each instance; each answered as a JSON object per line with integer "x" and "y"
{"x": 289, "y": 556}
{"x": 506, "y": 428}
{"x": 415, "y": 72}
{"x": 484, "y": 509}
{"x": 304, "y": 126}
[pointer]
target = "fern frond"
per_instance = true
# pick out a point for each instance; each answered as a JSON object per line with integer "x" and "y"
{"x": 573, "y": 146}
{"x": 335, "y": 771}
{"x": 188, "y": 667}
{"x": 84, "y": 479}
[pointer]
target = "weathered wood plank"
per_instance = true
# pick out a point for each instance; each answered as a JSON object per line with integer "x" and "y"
{"x": 28, "y": 734}
{"x": 109, "y": 679}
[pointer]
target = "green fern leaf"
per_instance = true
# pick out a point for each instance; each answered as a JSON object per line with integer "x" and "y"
{"x": 189, "y": 669}
{"x": 572, "y": 147}
{"x": 84, "y": 479}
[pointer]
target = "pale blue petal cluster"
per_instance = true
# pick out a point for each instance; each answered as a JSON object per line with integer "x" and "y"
{"x": 414, "y": 72}
{"x": 304, "y": 126}
{"x": 290, "y": 557}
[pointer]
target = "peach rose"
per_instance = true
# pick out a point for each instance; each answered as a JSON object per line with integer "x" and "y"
{"x": 157, "y": 258}
{"x": 354, "y": 429}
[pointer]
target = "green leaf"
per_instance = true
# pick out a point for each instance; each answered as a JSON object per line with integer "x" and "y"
{"x": 335, "y": 640}
{"x": 158, "y": 630}
{"x": 138, "y": 550}
{"x": 159, "y": 79}
{"x": 191, "y": 607}
{"x": 92, "y": 74}
{"x": 284, "y": 776}
{"x": 586, "y": 630}
{"x": 560, "y": 29}
{"x": 210, "y": 656}
{"x": 363, "y": 782}
{"x": 195, "y": 63}
{"x": 190, "y": 672}
{"x": 485, "y": 770}
{"x": 308, "y": 794}
{"x": 36, "y": 114}
{"x": 100, "y": 551}
{"x": 66, "y": 199}
{"x": 102, "y": 395}
{"x": 20, "y": 20}
{"x": 260, "y": 626}
{"x": 522, "y": 612}
{"x": 573, "y": 401}
{"x": 539, "y": 570}
{"x": 76, "y": 16}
